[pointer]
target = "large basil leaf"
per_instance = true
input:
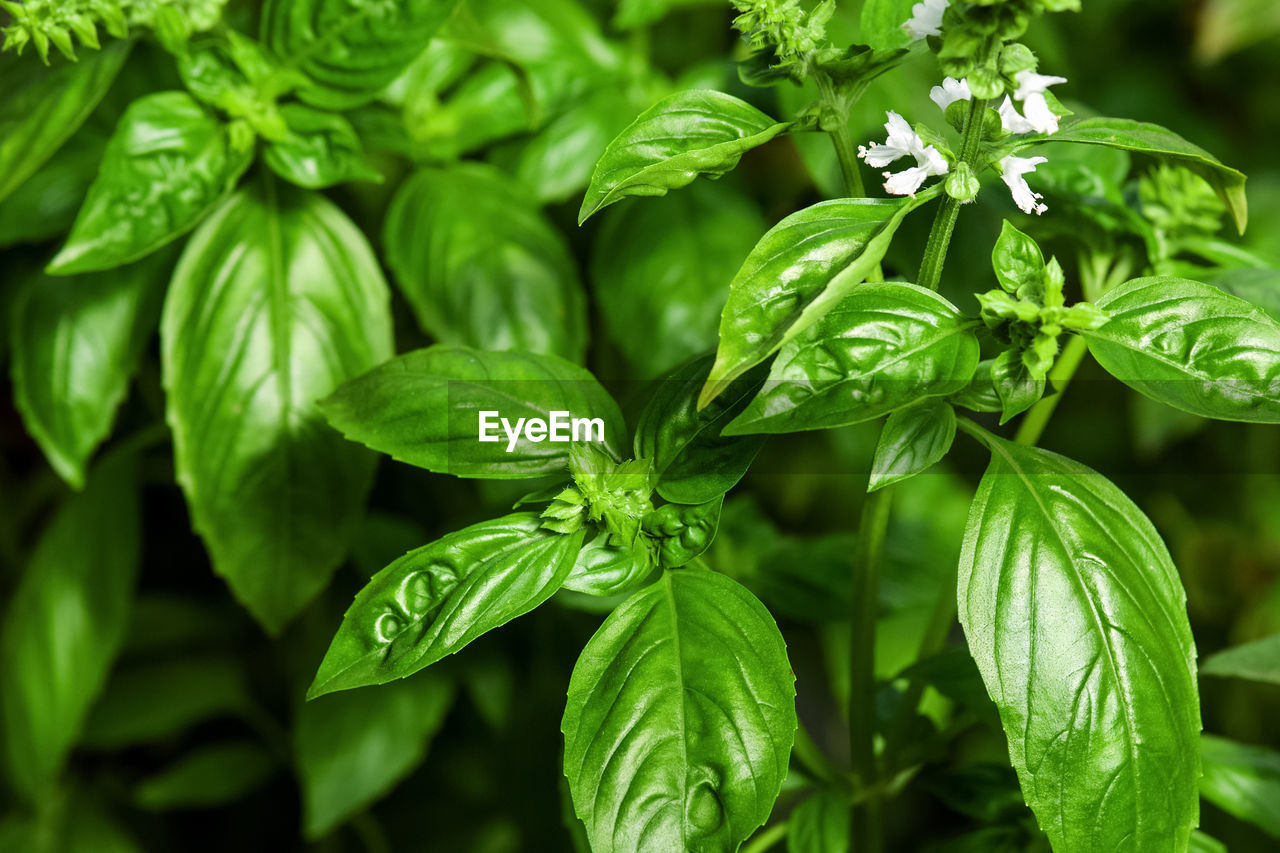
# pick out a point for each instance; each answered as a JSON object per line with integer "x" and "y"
{"x": 168, "y": 163}
{"x": 275, "y": 301}
{"x": 798, "y": 271}
{"x": 692, "y": 461}
{"x": 42, "y": 107}
{"x": 320, "y": 150}
{"x": 661, "y": 270}
{"x": 911, "y": 441}
{"x": 424, "y": 408}
{"x": 65, "y": 623}
{"x": 482, "y": 266}
{"x": 884, "y": 347}
{"x": 691, "y": 133}
{"x": 352, "y": 748}
{"x": 1256, "y": 661}
{"x": 1077, "y": 620}
{"x": 76, "y": 342}
{"x": 1156, "y": 141}
{"x": 680, "y": 718}
{"x": 1242, "y": 780}
{"x": 350, "y": 50}
{"x": 1193, "y": 347}
{"x": 433, "y": 601}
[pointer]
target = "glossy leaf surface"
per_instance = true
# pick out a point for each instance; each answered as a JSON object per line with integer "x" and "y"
{"x": 681, "y": 532}
{"x": 1256, "y": 661}
{"x": 607, "y": 567}
{"x": 424, "y": 408}
{"x": 76, "y": 342}
{"x": 321, "y": 150}
{"x": 352, "y": 748}
{"x": 799, "y": 271}
{"x": 65, "y": 622}
{"x": 1015, "y": 387}
{"x": 911, "y": 441}
{"x": 1191, "y": 346}
{"x": 680, "y": 718}
{"x": 692, "y": 461}
{"x": 885, "y": 346}
{"x": 349, "y": 49}
{"x": 1077, "y": 619}
{"x": 481, "y": 264}
{"x": 433, "y": 601}
{"x": 1242, "y": 780}
{"x": 687, "y": 134}
{"x": 167, "y": 165}
{"x": 276, "y": 300}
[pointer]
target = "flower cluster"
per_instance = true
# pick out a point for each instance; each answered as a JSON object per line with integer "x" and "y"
{"x": 46, "y": 23}
{"x": 783, "y": 27}
{"x": 614, "y": 495}
{"x": 903, "y": 142}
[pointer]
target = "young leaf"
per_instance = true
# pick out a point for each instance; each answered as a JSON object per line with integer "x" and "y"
{"x": 65, "y": 623}
{"x": 275, "y": 301}
{"x": 912, "y": 440}
{"x": 167, "y": 165}
{"x": 820, "y": 824}
{"x": 350, "y": 50}
{"x": 882, "y": 21}
{"x": 663, "y": 266}
{"x": 1077, "y": 620}
{"x": 76, "y": 342}
{"x": 682, "y": 532}
{"x": 1156, "y": 141}
{"x": 606, "y": 567}
{"x": 687, "y": 134}
{"x": 798, "y": 272}
{"x": 433, "y": 601}
{"x": 1242, "y": 780}
{"x": 353, "y": 748}
{"x": 680, "y": 718}
{"x": 1193, "y": 347}
{"x": 42, "y": 106}
{"x": 321, "y": 150}
{"x": 885, "y": 346}
{"x": 209, "y": 776}
{"x": 1016, "y": 259}
{"x": 692, "y": 461}
{"x": 1256, "y": 661}
{"x": 1015, "y": 387}
{"x": 980, "y": 395}
{"x": 424, "y": 408}
{"x": 482, "y": 266}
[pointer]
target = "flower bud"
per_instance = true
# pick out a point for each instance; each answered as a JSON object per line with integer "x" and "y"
{"x": 1016, "y": 57}
{"x": 961, "y": 183}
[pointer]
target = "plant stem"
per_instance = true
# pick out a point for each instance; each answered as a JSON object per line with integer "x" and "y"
{"x": 1032, "y": 426}
{"x": 767, "y": 838}
{"x": 868, "y": 554}
{"x": 944, "y": 222}
{"x": 838, "y": 106}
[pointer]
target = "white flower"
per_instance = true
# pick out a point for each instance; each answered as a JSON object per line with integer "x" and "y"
{"x": 949, "y": 92}
{"x": 1011, "y": 120}
{"x": 902, "y": 141}
{"x": 926, "y": 18}
{"x": 1011, "y": 171}
{"x": 1031, "y": 83}
{"x": 1039, "y": 118}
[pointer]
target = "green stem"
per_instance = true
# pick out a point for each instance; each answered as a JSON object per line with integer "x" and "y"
{"x": 836, "y": 111}
{"x": 944, "y": 222}
{"x": 868, "y": 554}
{"x": 1032, "y": 426}
{"x": 766, "y": 838}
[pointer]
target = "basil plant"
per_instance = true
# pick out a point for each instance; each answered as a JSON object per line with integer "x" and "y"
{"x": 676, "y": 548}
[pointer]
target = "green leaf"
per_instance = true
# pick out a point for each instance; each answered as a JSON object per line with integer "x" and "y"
{"x": 820, "y": 824}
{"x": 1015, "y": 387}
{"x": 350, "y": 50}
{"x": 65, "y": 623}
{"x": 209, "y": 776}
{"x": 980, "y": 394}
{"x": 1242, "y": 780}
{"x": 42, "y": 107}
{"x": 1256, "y": 661}
{"x": 692, "y": 461}
{"x": 1076, "y": 617}
{"x": 911, "y": 441}
{"x": 76, "y": 343}
{"x": 1193, "y": 347}
{"x": 682, "y": 532}
{"x": 482, "y": 266}
{"x": 433, "y": 601}
{"x": 884, "y": 347}
{"x": 660, "y": 270}
{"x": 1156, "y": 141}
{"x": 687, "y": 134}
{"x": 321, "y": 150}
{"x": 801, "y": 269}
{"x": 424, "y": 408}
{"x": 680, "y": 718}
{"x": 353, "y": 748}
{"x": 1259, "y": 286}
{"x": 154, "y": 701}
{"x": 1201, "y": 843}
{"x": 44, "y": 205}
{"x": 1016, "y": 259}
{"x": 167, "y": 165}
{"x": 277, "y": 299}
{"x": 607, "y": 567}
{"x": 882, "y": 23}
{"x": 642, "y": 13}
